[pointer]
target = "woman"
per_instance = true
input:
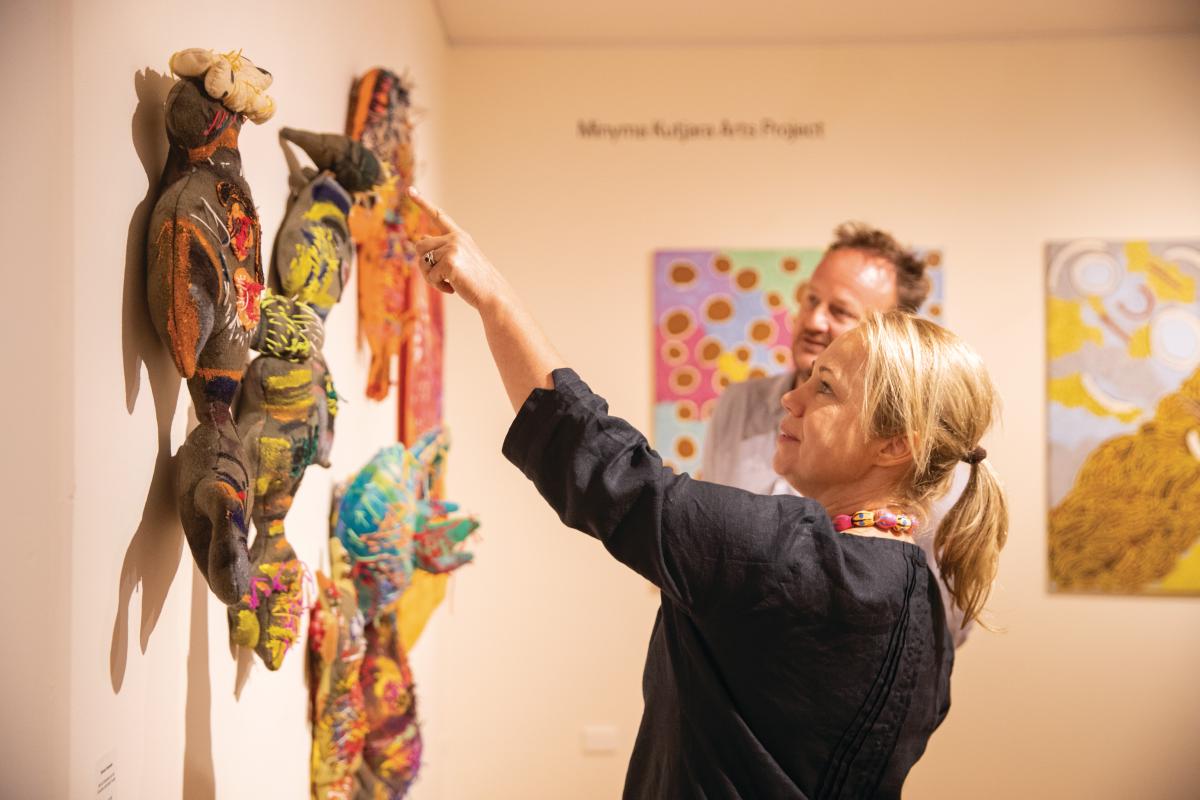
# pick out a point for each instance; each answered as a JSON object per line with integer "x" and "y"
{"x": 789, "y": 659}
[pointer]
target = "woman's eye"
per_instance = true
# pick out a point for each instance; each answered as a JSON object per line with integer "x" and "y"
{"x": 824, "y": 388}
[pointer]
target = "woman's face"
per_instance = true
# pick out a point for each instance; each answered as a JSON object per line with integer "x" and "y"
{"x": 821, "y": 443}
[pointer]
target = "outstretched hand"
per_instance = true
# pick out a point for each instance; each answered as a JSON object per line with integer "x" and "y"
{"x": 453, "y": 263}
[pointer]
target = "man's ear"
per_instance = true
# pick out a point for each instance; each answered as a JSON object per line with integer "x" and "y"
{"x": 893, "y": 451}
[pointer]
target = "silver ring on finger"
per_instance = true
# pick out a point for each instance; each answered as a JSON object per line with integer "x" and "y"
{"x": 430, "y": 259}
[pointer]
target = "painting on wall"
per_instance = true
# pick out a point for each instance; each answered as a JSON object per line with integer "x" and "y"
{"x": 1123, "y": 418}
{"x": 723, "y": 316}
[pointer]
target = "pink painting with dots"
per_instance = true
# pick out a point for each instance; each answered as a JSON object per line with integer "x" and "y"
{"x": 723, "y": 316}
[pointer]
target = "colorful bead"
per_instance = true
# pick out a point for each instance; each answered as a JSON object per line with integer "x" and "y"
{"x": 884, "y": 520}
{"x": 864, "y": 519}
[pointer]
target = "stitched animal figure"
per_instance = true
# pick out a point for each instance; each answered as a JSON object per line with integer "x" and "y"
{"x": 204, "y": 276}
{"x": 288, "y": 405}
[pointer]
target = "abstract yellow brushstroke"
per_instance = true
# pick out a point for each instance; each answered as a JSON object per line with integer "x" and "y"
{"x": 1067, "y": 331}
{"x": 1139, "y": 343}
{"x": 1166, "y": 280}
{"x": 1077, "y": 391}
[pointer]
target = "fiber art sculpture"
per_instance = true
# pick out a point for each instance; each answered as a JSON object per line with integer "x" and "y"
{"x": 388, "y": 526}
{"x": 400, "y": 315}
{"x": 288, "y": 404}
{"x": 204, "y": 278}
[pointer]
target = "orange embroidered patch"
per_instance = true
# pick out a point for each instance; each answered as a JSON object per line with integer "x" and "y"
{"x": 249, "y": 294}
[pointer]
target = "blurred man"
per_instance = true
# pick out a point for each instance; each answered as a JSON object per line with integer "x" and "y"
{"x": 863, "y": 270}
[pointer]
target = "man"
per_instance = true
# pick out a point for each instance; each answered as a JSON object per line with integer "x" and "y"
{"x": 864, "y": 270}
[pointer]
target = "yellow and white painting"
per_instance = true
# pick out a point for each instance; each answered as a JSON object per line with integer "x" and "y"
{"x": 1123, "y": 387}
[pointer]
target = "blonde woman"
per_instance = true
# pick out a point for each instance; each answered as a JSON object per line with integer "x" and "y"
{"x": 801, "y": 649}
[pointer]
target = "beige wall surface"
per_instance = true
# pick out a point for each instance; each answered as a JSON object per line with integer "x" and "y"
{"x": 152, "y": 678}
{"x": 35, "y": 338}
{"x": 987, "y": 150}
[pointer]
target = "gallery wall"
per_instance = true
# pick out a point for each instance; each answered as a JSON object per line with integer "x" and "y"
{"x": 147, "y": 690}
{"x": 986, "y": 149}
{"x": 36, "y": 329}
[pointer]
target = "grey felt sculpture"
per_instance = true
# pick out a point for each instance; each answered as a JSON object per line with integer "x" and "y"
{"x": 203, "y": 282}
{"x": 288, "y": 404}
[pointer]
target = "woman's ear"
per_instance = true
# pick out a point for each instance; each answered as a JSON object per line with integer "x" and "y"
{"x": 893, "y": 451}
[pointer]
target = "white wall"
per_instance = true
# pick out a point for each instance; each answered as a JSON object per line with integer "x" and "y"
{"x": 152, "y": 678}
{"x": 986, "y": 149}
{"x": 36, "y": 333}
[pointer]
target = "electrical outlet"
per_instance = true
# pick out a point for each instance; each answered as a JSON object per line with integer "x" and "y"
{"x": 599, "y": 739}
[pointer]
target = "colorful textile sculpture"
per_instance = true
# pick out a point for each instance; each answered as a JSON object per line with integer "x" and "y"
{"x": 392, "y": 754}
{"x": 388, "y": 526}
{"x": 399, "y": 314}
{"x": 336, "y": 645}
{"x": 288, "y": 405}
{"x": 204, "y": 276}
{"x": 390, "y": 522}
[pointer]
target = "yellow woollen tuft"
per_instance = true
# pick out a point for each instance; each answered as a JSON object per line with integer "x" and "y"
{"x": 315, "y": 266}
{"x": 246, "y": 632}
{"x": 289, "y": 398}
{"x": 274, "y": 464}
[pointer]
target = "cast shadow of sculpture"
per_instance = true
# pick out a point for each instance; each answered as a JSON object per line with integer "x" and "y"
{"x": 199, "y": 777}
{"x": 154, "y": 551}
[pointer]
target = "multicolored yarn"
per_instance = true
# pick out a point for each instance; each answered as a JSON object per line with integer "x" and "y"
{"x": 399, "y": 315}
{"x": 267, "y": 618}
{"x": 336, "y": 646}
{"x": 390, "y": 524}
{"x": 393, "y": 746}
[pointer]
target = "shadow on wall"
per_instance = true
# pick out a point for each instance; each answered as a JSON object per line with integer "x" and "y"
{"x": 199, "y": 778}
{"x": 152, "y": 558}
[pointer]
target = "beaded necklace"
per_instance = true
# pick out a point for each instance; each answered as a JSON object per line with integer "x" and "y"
{"x": 884, "y": 520}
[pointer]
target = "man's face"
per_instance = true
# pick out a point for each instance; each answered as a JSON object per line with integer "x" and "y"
{"x": 846, "y": 286}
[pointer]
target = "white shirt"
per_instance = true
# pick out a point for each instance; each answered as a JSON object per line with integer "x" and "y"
{"x": 739, "y": 449}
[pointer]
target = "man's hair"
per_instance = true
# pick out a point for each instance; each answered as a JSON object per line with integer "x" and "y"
{"x": 912, "y": 287}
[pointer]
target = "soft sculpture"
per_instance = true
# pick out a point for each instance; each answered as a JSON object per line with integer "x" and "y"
{"x": 288, "y": 405}
{"x": 204, "y": 276}
{"x": 400, "y": 315}
{"x": 392, "y": 751}
{"x": 390, "y": 523}
{"x": 336, "y": 645}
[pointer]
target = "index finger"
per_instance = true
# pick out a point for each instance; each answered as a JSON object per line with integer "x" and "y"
{"x": 440, "y": 218}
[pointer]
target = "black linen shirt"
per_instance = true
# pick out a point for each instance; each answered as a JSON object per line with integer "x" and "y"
{"x": 787, "y": 660}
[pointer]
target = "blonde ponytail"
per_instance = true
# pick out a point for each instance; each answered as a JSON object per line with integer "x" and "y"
{"x": 923, "y": 383}
{"x": 968, "y": 542}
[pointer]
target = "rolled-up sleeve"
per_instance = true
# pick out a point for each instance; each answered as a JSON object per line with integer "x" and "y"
{"x": 696, "y": 541}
